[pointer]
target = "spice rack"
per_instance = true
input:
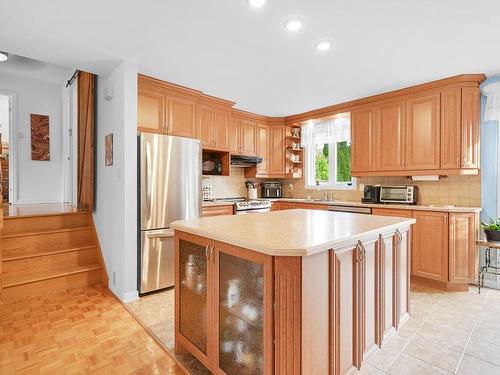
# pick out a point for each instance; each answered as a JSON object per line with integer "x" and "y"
{"x": 294, "y": 153}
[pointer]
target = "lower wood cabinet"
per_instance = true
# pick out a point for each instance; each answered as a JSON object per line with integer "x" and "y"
{"x": 224, "y": 305}
{"x": 242, "y": 312}
{"x": 217, "y": 210}
{"x": 444, "y": 253}
{"x": 309, "y": 206}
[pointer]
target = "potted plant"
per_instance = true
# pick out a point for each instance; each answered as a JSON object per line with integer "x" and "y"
{"x": 492, "y": 230}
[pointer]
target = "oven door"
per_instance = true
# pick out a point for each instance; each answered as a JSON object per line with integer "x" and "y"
{"x": 255, "y": 211}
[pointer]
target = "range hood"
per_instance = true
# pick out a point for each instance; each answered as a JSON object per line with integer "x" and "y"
{"x": 245, "y": 161}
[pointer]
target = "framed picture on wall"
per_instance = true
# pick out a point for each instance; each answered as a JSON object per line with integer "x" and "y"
{"x": 40, "y": 139}
{"x": 108, "y": 150}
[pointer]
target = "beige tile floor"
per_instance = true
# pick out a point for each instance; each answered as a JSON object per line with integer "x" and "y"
{"x": 448, "y": 333}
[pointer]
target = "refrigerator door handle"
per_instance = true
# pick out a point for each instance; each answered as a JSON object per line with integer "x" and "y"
{"x": 163, "y": 233}
{"x": 146, "y": 180}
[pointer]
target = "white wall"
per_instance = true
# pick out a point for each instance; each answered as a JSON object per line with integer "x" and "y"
{"x": 115, "y": 214}
{"x": 37, "y": 181}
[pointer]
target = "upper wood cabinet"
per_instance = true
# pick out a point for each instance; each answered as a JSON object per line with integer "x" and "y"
{"x": 451, "y": 132}
{"x": 277, "y": 150}
{"x": 470, "y": 127}
{"x": 162, "y": 109}
{"x": 212, "y": 126}
{"x": 423, "y": 132}
{"x": 151, "y": 112}
{"x": 263, "y": 149}
{"x": 432, "y": 129}
{"x": 363, "y": 139}
{"x": 247, "y": 137}
{"x": 389, "y": 136}
{"x": 181, "y": 115}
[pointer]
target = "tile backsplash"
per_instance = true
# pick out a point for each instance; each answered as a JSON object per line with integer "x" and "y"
{"x": 453, "y": 190}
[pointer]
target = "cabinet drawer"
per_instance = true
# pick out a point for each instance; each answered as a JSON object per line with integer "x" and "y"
{"x": 217, "y": 210}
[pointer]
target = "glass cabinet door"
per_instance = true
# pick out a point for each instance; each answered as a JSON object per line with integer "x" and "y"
{"x": 193, "y": 299}
{"x": 242, "y": 318}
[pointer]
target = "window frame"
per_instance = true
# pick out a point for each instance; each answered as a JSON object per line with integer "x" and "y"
{"x": 310, "y": 169}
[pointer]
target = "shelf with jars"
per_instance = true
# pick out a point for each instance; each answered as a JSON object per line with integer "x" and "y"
{"x": 293, "y": 151}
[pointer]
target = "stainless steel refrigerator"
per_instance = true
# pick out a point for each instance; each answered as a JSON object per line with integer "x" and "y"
{"x": 170, "y": 184}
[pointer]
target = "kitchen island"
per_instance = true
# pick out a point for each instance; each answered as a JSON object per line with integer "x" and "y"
{"x": 290, "y": 292}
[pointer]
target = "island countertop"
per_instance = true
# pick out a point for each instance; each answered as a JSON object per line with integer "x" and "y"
{"x": 295, "y": 232}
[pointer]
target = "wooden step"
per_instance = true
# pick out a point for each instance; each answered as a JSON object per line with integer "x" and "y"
{"x": 73, "y": 280}
{"x": 19, "y": 225}
{"x": 26, "y": 253}
{"x": 65, "y": 260}
{"x": 17, "y": 280}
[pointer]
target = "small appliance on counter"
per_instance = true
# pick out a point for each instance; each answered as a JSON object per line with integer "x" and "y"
{"x": 371, "y": 194}
{"x": 399, "y": 194}
{"x": 272, "y": 189}
{"x": 211, "y": 166}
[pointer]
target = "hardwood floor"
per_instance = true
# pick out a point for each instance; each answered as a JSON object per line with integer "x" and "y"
{"x": 81, "y": 331}
{"x": 12, "y": 210}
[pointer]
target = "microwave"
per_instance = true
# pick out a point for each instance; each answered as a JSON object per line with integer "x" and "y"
{"x": 399, "y": 194}
{"x": 371, "y": 194}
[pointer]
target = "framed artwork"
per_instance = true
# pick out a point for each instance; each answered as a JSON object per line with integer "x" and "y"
{"x": 108, "y": 150}
{"x": 40, "y": 139}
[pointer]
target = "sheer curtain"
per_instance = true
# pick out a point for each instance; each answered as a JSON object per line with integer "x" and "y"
{"x": 492, "y": 93}
{"x": 326, "y": 131}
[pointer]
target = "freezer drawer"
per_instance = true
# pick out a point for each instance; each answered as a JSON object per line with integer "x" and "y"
{"x": 157, "y": 259}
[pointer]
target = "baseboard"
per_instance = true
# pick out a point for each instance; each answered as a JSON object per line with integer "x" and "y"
{"x": 125, "y": 297}
{"x": 439, "y": 285}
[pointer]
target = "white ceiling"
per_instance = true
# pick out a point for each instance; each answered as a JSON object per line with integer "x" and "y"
{"x": 229, "y": 50}
{"x": 37, "y": 70}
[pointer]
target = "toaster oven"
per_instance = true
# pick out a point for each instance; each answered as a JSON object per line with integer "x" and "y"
{"x": 399, "y": 194}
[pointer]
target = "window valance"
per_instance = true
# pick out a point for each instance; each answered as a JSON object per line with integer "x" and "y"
{"x": 326, "y": 131}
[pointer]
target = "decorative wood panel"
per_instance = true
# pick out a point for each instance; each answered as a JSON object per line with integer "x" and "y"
{"x": 277, "y": 150}
{"x": 451, "y": 129}
{"x": 287, "y": 321}
{"x": 388, "y": 321}
{"x": 402, "y": 255}
{"x": 263, "y": 148}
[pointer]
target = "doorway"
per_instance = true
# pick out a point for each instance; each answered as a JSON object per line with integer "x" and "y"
{"x": 7, "y": 151}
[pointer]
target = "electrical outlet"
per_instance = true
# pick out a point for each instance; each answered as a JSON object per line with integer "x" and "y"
{"x": 290, "y": 186}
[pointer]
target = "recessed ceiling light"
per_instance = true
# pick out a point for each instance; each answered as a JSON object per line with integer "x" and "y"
{"x": 323, "y": 45}
{"x": 256, "y": 3}
{"x": 294, "y": 24}
{"x": 3, "y": 56}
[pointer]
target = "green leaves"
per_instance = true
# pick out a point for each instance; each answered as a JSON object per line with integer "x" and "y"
{"x": 493, "y": 224}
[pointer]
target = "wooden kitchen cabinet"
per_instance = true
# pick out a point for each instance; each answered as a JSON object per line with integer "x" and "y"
{"x": 277, "y": 206}
{"x": 263, "y": 149}
{"x": 277, "y": 150}
{"x": 423, "y": 132}
{"x": 391, "y": 212}
{"x": 212, "y": 126}
{"x": 181, "y": 117}
{"x": 151, "y": 112}
{"x": 430, "y": 245}
{"x": 470, "y": 127}
{"x": 389, "y": 136}
{"x": 363, "y": 136}
{"x": 451, "y": 130}
{"x": 247, "y": 142}
{"x": 232, "y": 290}
{"x": 309, "y": 206}
{"x": 217, "y": 210}
{"x": 463, "y": 253}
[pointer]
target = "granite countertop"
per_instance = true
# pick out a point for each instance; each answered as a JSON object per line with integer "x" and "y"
{"x": 417, "y": 207}
{"x": 295, "y": 232}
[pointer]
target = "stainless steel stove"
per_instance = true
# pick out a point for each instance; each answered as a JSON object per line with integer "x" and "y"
{"x": 247, "y": 206}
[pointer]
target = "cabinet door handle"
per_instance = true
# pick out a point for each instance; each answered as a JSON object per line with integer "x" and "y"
{"x": 212, "y": 253}
{"x": 207, "y": 252}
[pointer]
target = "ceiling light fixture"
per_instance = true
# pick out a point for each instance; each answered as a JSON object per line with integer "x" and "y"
{"x": 4, "y": 56}
{"x": 293, "y": 24}
{"x": 323, "y": 45}
{"x": 256, "y": 3}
